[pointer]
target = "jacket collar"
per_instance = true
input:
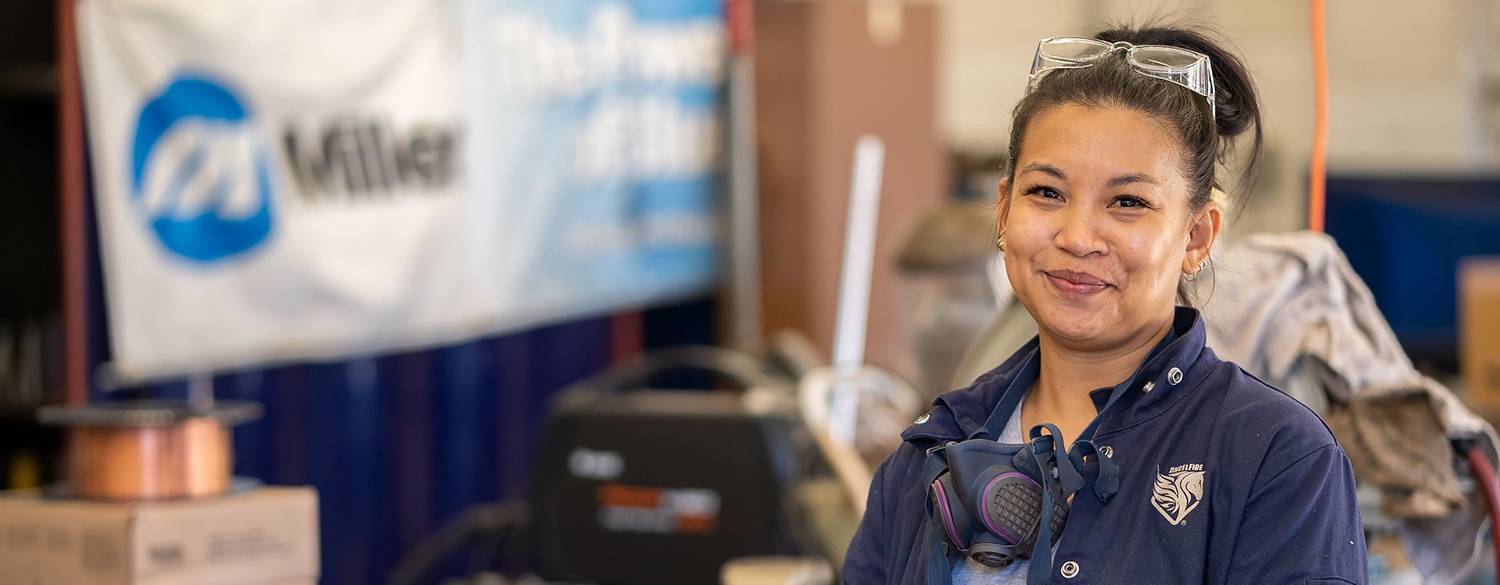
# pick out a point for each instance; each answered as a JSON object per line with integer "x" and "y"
{"x": 963, "y": 413}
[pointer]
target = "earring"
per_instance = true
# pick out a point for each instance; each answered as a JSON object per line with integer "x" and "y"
{"x": 1191, "y": 276}
{"x": 1000, "y": 241}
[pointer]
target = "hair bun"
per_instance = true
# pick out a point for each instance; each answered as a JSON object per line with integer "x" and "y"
{"x": 1235, "y": 104}
{"x": 1237, "y": 109}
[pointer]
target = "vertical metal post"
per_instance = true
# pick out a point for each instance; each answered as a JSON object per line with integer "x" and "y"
{"x": 71, "y": 173}
{"x": 743, "y": 297}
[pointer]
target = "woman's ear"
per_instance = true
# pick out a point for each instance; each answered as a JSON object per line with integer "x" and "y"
{"x": 1202, "y": 233}
{"x": 1002, "y": 201}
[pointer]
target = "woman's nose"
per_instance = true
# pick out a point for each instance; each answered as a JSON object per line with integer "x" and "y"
{"x": 1078, "y": 235}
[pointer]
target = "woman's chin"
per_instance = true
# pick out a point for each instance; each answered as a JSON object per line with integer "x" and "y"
{"x": 1073, "y": 325}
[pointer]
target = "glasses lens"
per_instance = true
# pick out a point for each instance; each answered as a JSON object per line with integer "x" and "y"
{"x": 1074, "y": 50}
{"x": 1165, "y": 58}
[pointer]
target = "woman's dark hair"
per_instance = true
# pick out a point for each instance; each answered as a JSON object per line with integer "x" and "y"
{"x": 1113, "y": 82}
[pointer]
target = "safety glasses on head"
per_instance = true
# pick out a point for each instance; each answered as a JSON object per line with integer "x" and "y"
{"x": 1189, "y": 69}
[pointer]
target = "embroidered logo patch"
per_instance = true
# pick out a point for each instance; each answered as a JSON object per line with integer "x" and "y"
{"x": 1178, "y": 491}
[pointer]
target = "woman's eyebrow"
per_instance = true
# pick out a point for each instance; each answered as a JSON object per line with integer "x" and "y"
{"x": 1118, "y": 181}
{"x": 1123, "y": 180}
{"x": 1044, "y": 168}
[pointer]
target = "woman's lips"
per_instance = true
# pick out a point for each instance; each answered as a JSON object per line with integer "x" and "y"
{"x": 1075, "y": 283}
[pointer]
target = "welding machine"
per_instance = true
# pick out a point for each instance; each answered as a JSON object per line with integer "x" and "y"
{"x": 643, "y": 486}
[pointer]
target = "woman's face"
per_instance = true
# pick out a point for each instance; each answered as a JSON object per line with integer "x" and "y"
{"x": 1098, "y": 227}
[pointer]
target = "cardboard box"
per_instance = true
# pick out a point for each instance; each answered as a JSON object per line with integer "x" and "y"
{"x": 260, "y": 537}
{"x": 1479, "y": 330}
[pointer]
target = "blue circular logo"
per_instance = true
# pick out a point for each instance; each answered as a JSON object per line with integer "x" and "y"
{"x": 199, "y": 171}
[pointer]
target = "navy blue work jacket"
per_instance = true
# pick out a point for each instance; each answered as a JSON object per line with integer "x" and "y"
{"x": 1223, "y": 479}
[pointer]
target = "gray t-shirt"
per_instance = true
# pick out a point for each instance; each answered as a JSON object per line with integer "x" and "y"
{"x": 972, "y": 572}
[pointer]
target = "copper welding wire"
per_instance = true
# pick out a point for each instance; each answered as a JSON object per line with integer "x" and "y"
{"x": 191, "y": 458}
{"x": 150, "y": 450}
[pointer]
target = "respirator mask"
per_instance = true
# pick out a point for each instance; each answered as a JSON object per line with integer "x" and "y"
{"x": 997, "y": 503}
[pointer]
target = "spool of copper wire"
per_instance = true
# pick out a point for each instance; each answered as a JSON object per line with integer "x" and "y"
{"x": 150, "y": 450}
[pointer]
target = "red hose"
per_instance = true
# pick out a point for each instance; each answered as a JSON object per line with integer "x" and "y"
{"x": 1484, "y": 473}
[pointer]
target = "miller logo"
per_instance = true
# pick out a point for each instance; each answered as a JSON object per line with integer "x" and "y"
{"x": 1178, "y": 491}
{"x": 199, "y": 171}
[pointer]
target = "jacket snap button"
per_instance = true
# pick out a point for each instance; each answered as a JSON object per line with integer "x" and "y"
{"x": 1069, "y": 570}
{"x": 922, "y": 419}
{"x": 1174, "y": 376}
{"x": 1107, "y": 451}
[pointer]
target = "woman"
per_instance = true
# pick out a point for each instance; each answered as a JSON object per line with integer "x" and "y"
{"x": 1105, "y": 209}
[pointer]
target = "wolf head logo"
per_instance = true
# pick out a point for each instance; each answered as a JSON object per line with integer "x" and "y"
{"x": 1177, "y": 492}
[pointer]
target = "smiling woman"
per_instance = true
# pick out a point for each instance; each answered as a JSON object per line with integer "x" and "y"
{"x": 1200, "y": 473}
{"x": 1098, "y": 222}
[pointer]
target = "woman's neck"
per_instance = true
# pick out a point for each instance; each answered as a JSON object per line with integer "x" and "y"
{"x": 1068, "y": 374}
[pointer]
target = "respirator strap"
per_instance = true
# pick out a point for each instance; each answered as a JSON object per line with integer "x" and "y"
{"x": 939, "y": 570}
{"x": 1039, "y": 445}
{"x": 1108, "y": 482}
{"x": 1051, "y": 457}
{"x": 1040, "y": 569}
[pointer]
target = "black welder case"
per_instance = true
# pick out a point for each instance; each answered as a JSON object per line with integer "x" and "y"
{"x": 653, "y": 487}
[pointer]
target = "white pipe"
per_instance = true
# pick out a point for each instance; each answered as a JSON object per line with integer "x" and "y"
{"x": 854, "y": 285}
{"x": 744, "y": 220}
{"x": 859, "y": 253}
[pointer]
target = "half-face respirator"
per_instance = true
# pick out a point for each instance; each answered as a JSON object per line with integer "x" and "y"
{"x": 998, "y": 502}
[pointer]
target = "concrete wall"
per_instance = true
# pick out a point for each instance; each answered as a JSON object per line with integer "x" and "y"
{"x": 1412, "y": 84}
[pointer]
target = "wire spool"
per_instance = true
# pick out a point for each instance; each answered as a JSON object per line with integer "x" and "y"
{"x": 154, "y": 450}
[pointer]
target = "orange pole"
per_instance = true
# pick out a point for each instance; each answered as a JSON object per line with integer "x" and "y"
{"x": 1318, "y": 173}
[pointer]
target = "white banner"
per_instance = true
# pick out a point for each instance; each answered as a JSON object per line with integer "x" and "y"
{"x": 277, "y": 179}
{"x": 283, "y": 179}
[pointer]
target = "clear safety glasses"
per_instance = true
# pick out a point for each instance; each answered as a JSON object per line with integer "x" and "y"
{"x": 1189, "y": 69}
